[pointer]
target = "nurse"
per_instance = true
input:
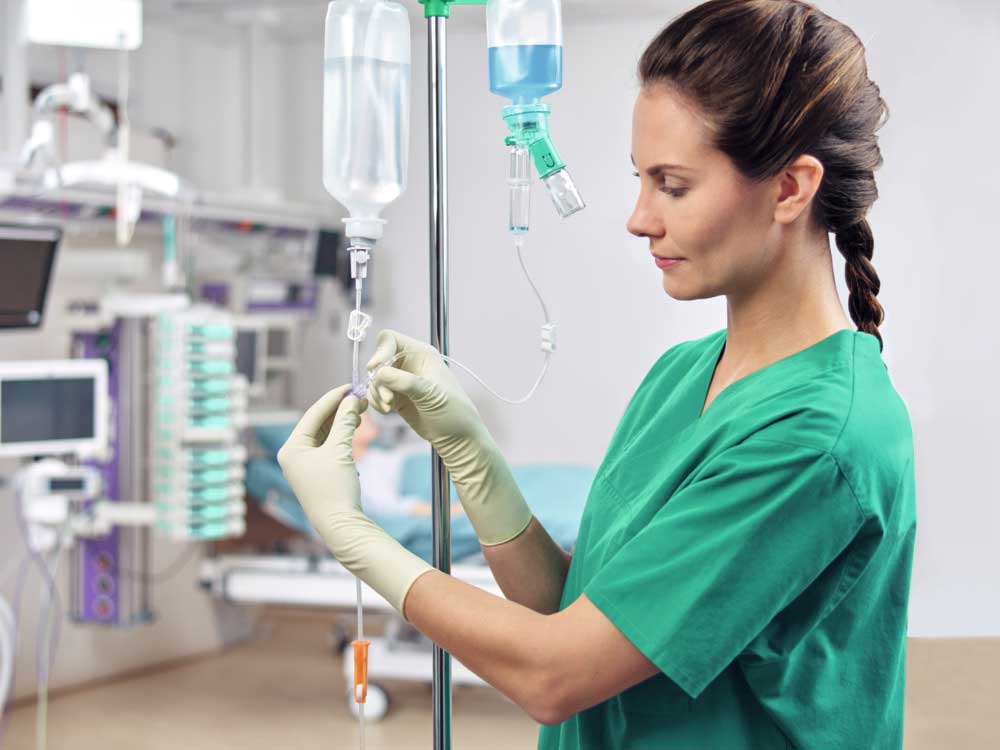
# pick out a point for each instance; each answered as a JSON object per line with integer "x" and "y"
{"x": 741, "y": 576}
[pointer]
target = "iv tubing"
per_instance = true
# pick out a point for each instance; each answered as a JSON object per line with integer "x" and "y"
{"x": 361, "y": 637}
{"x": 356, "y": 379}
{"x": 518, "y": 244}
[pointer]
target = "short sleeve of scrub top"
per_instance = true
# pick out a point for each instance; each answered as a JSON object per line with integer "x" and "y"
{"x": 730, "y": 551}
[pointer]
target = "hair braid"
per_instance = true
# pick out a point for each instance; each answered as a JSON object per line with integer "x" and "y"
{"x": 857, "y": 244}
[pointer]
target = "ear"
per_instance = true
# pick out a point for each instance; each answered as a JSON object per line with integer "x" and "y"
{"x": 797, "y": 185}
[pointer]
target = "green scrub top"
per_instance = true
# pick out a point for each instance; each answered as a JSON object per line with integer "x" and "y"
{"x": 758, "y": 554}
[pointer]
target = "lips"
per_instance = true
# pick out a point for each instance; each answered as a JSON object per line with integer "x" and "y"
{"x": 662, "y": 262}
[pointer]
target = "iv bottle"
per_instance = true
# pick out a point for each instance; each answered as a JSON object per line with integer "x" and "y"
{"x": 525, "y": 48}
{"x": 366, "y": 110}
{"x": 526, "y": 64}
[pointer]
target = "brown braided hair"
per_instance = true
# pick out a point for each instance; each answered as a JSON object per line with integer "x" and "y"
{"x": 778, "y": 79}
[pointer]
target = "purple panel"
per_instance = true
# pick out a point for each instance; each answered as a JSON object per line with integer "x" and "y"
{"x": 99, "y": 571}
{"x": 306, "y": 301}
{"x": 216, "y": 293}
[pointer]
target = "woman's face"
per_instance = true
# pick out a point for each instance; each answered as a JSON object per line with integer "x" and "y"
{"x": 694, "y": 205}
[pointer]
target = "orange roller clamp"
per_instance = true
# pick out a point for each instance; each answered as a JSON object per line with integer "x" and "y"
{"x": 361, "y": 670}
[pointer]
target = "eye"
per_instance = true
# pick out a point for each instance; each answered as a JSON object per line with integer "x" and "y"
{"x": 674, "y": 192}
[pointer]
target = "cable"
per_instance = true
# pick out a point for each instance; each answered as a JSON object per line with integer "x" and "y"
{"x": 22, "y": 578}
{"x": 168, "y": 572}
{"x": 8, "y": 636}
{"x": 33, "y": 556}
{"x": 43, "y": 660}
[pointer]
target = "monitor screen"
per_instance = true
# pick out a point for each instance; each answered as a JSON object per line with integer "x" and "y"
{"x": 26, "y": 258}
{"x": 67, "y": 485}
{"x": 41, "y": 410}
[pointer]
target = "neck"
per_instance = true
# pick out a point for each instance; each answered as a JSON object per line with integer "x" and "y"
{"x": 792, "y": 307}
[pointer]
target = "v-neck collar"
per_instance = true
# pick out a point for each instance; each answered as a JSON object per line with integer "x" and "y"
{"x": 839, "y": 342}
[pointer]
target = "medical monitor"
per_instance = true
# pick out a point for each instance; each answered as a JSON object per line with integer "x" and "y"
{"x": 53, "y": 407}
{"x": 26, "y": 258}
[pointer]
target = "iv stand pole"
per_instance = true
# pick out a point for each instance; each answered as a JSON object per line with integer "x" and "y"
{"x": 437, "y": 80}
{"x": 437, "y": 12}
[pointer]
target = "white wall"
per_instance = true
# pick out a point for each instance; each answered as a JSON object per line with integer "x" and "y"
{"x": 936, "y": 226}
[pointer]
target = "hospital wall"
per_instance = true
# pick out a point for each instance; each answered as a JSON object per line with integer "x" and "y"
{"x": 936, "y": 227}
{"x": 185, "y": 85}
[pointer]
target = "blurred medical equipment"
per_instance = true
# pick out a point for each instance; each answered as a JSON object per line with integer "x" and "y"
{"x": 251, "y": 353}
{"x": 102, "y": 24}
{"x": 159, "y": 435}
{"x": 53, "y": 407}
{"x": 199, "y": 405}
{"x": 49, "y": 408}
{"x": 138, "y": 435}
{"x": 156, "y": 413}
{"x": 27, "y": 254}
{"x": 115, "y": 170}
{"x": 108, "y": 24}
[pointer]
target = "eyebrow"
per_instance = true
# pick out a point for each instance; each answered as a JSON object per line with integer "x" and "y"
{"x": 658, "y": 169}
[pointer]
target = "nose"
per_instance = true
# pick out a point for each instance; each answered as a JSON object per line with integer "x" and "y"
{"x": 644, "y": 221}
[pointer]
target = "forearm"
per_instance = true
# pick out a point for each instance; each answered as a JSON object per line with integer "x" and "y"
{"x": 506, "y": 644}
{"x": 531, "y": 569}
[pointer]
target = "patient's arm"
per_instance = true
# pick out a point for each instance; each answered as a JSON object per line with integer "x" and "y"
{"x": 531, "y": 569}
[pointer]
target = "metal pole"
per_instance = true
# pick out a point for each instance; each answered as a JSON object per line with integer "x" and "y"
{"x": 437, "y": 55}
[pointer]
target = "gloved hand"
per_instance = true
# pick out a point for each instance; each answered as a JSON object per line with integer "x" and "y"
{"x": 318, "y": 463}
{"x": 428, "y": 396}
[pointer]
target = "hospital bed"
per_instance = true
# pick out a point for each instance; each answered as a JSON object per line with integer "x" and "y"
{"x": 556, "y": 494}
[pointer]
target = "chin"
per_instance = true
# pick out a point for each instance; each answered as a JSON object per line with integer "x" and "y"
{"x": 682, "y": 292}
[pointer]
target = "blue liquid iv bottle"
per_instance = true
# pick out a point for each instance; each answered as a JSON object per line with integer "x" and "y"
{"x": 524, "y": 73}
{"x": 526, "y": 64}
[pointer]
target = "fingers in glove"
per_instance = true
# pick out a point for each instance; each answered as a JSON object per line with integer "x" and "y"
{"x": 391, "y": 344}
{"x": 386, "y": 347}
{"x": 401, "y": 382}
{"x": 345, "y": 423}
{"x": 314, "y": 426}
{"x": 375, "y": 397}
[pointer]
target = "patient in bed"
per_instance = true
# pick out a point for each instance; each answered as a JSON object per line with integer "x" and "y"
{"x": 380, "y": 472}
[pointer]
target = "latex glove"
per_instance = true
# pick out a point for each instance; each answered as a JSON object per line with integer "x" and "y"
{"x": 429, "y": 397}
{"x": 318, "y": 463}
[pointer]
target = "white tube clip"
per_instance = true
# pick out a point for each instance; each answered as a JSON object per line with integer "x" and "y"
{"x": 357, "y": 327}
{"x": 549, "y": 337}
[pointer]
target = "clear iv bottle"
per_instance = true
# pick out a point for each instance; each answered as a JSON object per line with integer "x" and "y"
{"x": 366, "y": 117}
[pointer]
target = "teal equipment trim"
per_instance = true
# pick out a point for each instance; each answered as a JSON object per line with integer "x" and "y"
{"x": 529, "y": 124}
{"x": 442, "y": 8}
